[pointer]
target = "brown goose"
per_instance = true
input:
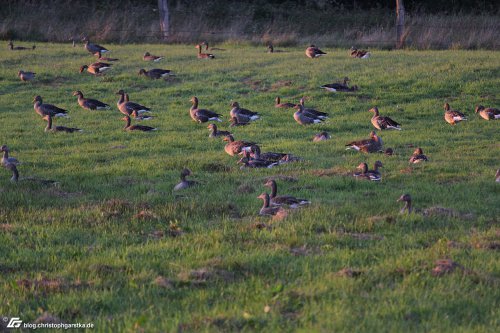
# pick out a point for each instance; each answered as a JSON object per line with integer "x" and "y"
{"x": 51, "y": 128}
{"x": 406, "y": 198}
{"x": 184, "y": 182}
{"x": 129, "y": 127}
{"x": 127, "y": 108}
{"x": 497, "y": 176}
{"x": 204, "y": 55}
{"x": 333, "y": 87}
{"x": 314, "y": 52}
{"x": 355, "y": 53}
{"x": 19, "y": 48}
{"x": 26, "y": 76}
{"x": 488, "y": 113}
{"x": 235, "y": 122}
{"x": 97, "y": 68}
{"x": 47, "y": 109}
{"x": 279, "y": 200}
{"x": 313, "y": 113}
{"x": 452, "y": 116}
{"x": 371, "y": 145}
{"x": 373, "y": 175}
{"x": 266, "y": 209}
{"x": 156, "y": 73}
{"x": 383, "y": 123}
{"x": 214, "y": 132}
{"x": 418, "y": 156}
{"x": 249, "y": 162}
{"x": 94, "y": 48}
{"x": 101, "y": 58}
{"x": 10, "y": 163}
{"x": 90, "y": 104}
{"x": 235, "y": 147}
{"x": 278, "y": 104}
{"x": 321, "y": 137}
{"x": 202, "y": 115}
{"x": 149, "y": 57}
{"x": 243, "y": 115}
{"x": 304, "y": 119}
{"x": 268, "y": 156}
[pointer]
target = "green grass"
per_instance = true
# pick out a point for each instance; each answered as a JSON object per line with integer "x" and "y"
{"x": 84, "y": 236}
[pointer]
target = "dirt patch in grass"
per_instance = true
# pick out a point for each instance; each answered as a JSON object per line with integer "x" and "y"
{"x": 50, "y": 285}
{"x": 145, "y": 215}
{"x": 362, "y": 236}
{"x": 279, "y": 84}
{"x": 444, "y": 266}
{"x": 107, "y": 270}
{"x": 163, "y": 282}
{"x": 255, "y": 85}
{"x": 215, "y": 167}
{"x": 349, "y": 272}
{"x": 245, "y": 189}
{"x": 47, "y": 318}
{"x": 304, "y": 250}
{"x": 330, "y": 172}
{"x": 281, "y": 177}
{"x": 7, "y": 227}
{"x": 206, "y": 274}
{"x": 115, "y": 208}
{"x": 438, "y": 211}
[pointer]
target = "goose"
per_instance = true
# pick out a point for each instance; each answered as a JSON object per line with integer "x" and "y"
{"x": 214, "y": 132}
{"x": 10, "y": 163}
{"x": 97, "y": 68}
{"x": 406, "y": 198}
{"x": 497, "y": 176}
{"x": 243, "y": 115}
{"x": 139, "y": 117}
{"x": 371, "y": 145}
{"x": 373, "y": 175}
{"x": 355, "y": 53}
{"x": 270, "y": 48}
{"x": 383, "y": 123}
{"x": 19, "y": 48}
{"x": 321, "y": 137}
{"x": 48, "y": 109}
{"x": 268, "y": 156}
{"x": 26, "y": 76}
{"x": 375, "y": 171}
{"x": 488, "y": 113}
{"x": 129, "y": 127}
{"x": 51, "y": 128}
{"x": 99, "y": 56}
{"x": 278, "y": 104}
{"x": 205, "y": 43}
{"x": 339, "y": 87}
{"x": 279, "y": 200}
{"x": 235, "y": 122}
{"x": 156, "y": 73}
{"x": 452, "y": 116}
{"x": 266, "y": 209}
{"x": 304, "y": 119}
{"x": 418, "y": 156}
{"x": 90, "y": 104}
{"x": 313, "y": 113}
{"x": 249, "y": 162}
{"x": 202, "y": 115}
{"x": 149, "y": 57}
{"x": 314, "y": 52}
{"x": 94, "y": 48}
{"x": 184, "y": 182}
{"x": 127, "y": 108}
{"x": 204, "y": 55}
{"x": 235, "y": 147}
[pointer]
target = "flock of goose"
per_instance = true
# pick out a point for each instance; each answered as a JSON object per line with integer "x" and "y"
{"x": 252, "y": 157}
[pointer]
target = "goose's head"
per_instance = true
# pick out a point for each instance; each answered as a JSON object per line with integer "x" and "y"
{"x": 84, "y": 67}
{"x": 479, "y": 108}
{"x": 405, "y": 198}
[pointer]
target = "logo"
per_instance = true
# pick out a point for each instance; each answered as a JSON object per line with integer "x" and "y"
{"x": 14, "y": 322}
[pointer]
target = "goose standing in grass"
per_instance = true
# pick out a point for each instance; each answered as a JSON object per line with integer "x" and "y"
{"x": 51, "y": 128}
{"x": 129, "y": 127}
{"x": 202, "y": 115}
{"x": 321, "y": 137}
{"x": 373, "y": 175}
{"x": 304, "y": 119}
{"x": 287, "y": 105}
{"x": 453, "y": 116}
{"x": 47, "y": 109}
{"x": 497, "y": 176}
{"x": 156, "y": 73}
{"x": 127, "y": 108}
{"x": 383, "y": 123}
{"x": 314, "y": 52}
{"x": 94, "y": 48}
{"x": 418, "y": 156}
{"x": 97, "y": 68}
{"x": 313, "y": 113}
{"x": 204, "y": 55}
{"x": 10, "y": 163}
{"x": 406, "y": 198}
{"x": 355, "y": 53}
{"x": 339, "y": 87}
{"x": 149, "y": 57}
{"x": 243, "y": 115}
{"x": 101, "y": 58}
{"x": 372, "y": 145}
{"x": 214, "y": 131}
{"x": 266, "y": 209}
{"x": 26, "y": 76}
{"x": 279, "y": 200}
{"x": 235, "y": 147}
{"x": 19, "y": 48}
{"x": 249, "y": 162}
{"x": 488, "y": 113}
{"x": 90, "y": 104}
{"x": 185, "y": 183}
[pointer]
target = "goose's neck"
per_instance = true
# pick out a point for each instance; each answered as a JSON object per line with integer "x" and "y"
{"x": 266, "y": 201}
{"x": 199, "y": 50}
{"x": 5, "y": 154}
{"x": 195, "y": 105}
{"x": 274, "y": 189}
{"x": 121, "y": 100}
{"x": 375, "y": 113}
{"x": 231, "y": 139}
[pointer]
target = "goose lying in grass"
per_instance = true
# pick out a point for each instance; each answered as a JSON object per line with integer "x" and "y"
{"x": 371, "y": 145}
{"x": 26, "y": 76}
{"x": 20, "y": 48}
{"x": 204, "y": 55}
{"x": 243, "y": 115}
{"x": 314, "y": 52}
{"x": 149, "y": 57}
{"x": 312, "y": 113}
{"x": 355, "y": 53}
{"x": 418, "y": 156}
{"x": 383, "y": 123}
{"x": 250, "y": 162}
{"x": 488, "y": 113}
{"x": 129, "y": 127}
{"x": 101, "y": 58}
{"x": 268, "y": 156}
{"x": 127, "y": 108}
{"x": 266, "y": 209}
{"x": 50, "y": 128}
{"x": 10, "y": 163}
{"x": 156, "y": 73}
{"x": 280, "y": 200}
{"x": 373, "y": 175}
{"x": 47, "y": 109}
{"x": 90, "y": 104}
{"x": 184, "y": 182}
{"x": 305, "y": 119}
{"x": 453, "y": 116}
{"x": 270, "y": 49}
{"x": 339, "y": 87}
{"x": 202, "y": 115}
{"x": 214, "y": 131}
{"x": 97, "y": 68}
{"x": 406, "y": 198}
{"x": 278, "y": 104}
{"x": 235, "y": 147}
{"x": 321, "y": 137}
{"x": 94, "y": 48}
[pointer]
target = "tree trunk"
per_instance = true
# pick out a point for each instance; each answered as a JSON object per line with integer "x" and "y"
{"x": 400, "y": 24}
{"x": 164, "y": 18}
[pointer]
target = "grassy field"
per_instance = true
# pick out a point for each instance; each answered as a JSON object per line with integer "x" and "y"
{"x": 111, "y": 244}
